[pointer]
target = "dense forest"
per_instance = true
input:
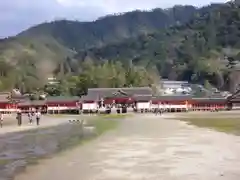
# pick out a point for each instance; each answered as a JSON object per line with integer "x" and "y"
{"x": 205, "y": 48}
{"x": 105, "y": 74}
{"x": 133, "y": 49}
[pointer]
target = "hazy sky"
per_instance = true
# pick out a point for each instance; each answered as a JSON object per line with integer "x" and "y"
{"x": 17, "y": 15}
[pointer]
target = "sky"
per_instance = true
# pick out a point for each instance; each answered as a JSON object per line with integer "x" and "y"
{"x": 18, "y": 15}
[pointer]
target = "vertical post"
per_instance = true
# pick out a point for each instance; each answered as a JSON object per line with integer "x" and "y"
{"x": 78, "y": 106}
{"x": 186, "y": 105}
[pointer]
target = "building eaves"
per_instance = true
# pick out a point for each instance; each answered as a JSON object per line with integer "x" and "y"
{"x": 106, "y": 92}
{"x": 32, "y": 103}
{"x": 208, "y": 99}
{"x": 89, "y": 98}
{"x": 172, "y": 98}
{"x": 62, "y": 98}
{"x": 5, "y": 97}
{"x": 142, "y": 97}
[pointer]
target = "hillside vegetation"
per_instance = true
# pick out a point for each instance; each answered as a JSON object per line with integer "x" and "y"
{"x": 113, "y": 28}
{"x": 204, "y": 49}
{"x": 49, "y": 48}
{"x": 182, "y": 43}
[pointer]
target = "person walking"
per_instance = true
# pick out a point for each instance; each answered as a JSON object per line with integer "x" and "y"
{"x": 38, "y": 116}
{"x": 30, "y": 117}
{"x": 19, "y": 117}
{"x": 1, "y": 119}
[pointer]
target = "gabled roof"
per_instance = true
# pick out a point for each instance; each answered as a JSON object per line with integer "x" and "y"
{"x": 210, "y": 99}
{"x": 118, "y": 94}
{"x": 172, "y": 98}
{"x": 32, "y": 103}
{"x": 142, "y": 97}
{"x": 235, "y": 96}
{"x": 89, "y": 98}
{"x": 5, "y": 96}
{"x": 62, "y": 98}
{"x": 105, "y": 92}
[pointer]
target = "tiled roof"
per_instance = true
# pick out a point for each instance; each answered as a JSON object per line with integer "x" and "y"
{"x": 142, "y": 97}
{"x": 32, "y": 103}
{"x": 234, "y": 97}
{"x": 188, "y": 97}
{"x": 95, "y": 94}
{"x": 91, "y": 97}
{"x": 171, "y": 98}
{"x": 105, "y": 92}
{"x": 4, "y": 96}
{"x": 204, "y": 99}
{"x": 62, "y": 98}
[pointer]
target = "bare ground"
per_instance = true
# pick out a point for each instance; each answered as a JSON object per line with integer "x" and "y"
{"x": 147, "y": 147}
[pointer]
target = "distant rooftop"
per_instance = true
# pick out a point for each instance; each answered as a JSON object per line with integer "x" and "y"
{"x": 165, "y": 81}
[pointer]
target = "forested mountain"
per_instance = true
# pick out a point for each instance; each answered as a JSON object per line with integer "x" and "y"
{"x": 182, "y": 42}
{"x": 48, "y": 48}
{"x": 198, "y": 51}
{"x": 112, "y": 28}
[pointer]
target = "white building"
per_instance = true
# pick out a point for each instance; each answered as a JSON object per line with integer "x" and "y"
{"x": 52, "y": 80}
{"x": 174, "y": 84}
{"x": 175, "y": 87}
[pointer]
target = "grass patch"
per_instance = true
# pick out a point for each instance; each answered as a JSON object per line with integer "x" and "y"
{"x": 55, "y": 115}
{"x": 61, "y": 115}
{"x": 228, "y": 125}
{"x": 3, "y": 162}
{"x": 114, "y": 116}
{"x": 32, "y": 161}
{"x": 101, "y": 124}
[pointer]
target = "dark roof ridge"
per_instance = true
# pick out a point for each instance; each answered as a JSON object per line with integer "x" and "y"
{"x": 143, "y": 87}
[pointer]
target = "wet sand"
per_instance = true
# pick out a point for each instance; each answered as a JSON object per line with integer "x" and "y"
{"x": 10, "y": 122}
{"x": 22, "y": 146}
{"x": 147, "y": 147}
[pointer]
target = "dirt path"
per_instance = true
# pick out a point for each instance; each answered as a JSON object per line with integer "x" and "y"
{"x": 147, "y": 147}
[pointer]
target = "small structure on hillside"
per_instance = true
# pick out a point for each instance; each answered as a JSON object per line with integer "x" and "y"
{"x": 175, "y": 87}
{"x": 174, "y": 84}
{"x": 52, "y": 80}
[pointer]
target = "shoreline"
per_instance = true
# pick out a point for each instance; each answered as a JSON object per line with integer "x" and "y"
{"x": 46, "y": 121}
{"x": 33, "y": 145}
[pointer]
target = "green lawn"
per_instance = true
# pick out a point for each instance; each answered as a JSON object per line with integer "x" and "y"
{"x": 114, "y": 116}
{"x": 101, "y": 124}
{"x": 223, "y": 124}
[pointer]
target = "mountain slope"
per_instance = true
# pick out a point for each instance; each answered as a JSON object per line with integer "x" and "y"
{"x": 37, "y": 53}
{"x": 114, "y": 28}
{"x": 195, "y": 51}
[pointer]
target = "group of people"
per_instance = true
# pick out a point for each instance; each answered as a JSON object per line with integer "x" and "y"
{"x": 30, "y": 115}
